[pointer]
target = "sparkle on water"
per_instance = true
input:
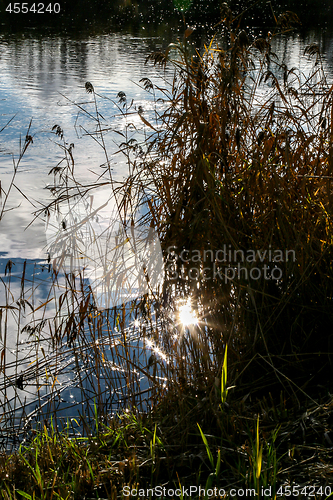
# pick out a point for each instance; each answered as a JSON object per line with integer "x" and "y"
{"x": 186, "y": 314}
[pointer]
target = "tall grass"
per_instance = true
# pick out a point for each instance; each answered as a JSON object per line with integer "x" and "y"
{"x": 242, "y": 162}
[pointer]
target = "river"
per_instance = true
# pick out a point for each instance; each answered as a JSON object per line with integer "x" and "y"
{"x": 42, "y": 84}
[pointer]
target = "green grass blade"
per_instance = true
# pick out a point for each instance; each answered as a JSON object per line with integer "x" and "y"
{"x": 209, "y": 453}
{"x": 25, "y": 495}
{"x": 224, "y": 390}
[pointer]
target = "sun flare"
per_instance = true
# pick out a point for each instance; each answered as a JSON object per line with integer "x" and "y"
{"x": 187, "y": 316}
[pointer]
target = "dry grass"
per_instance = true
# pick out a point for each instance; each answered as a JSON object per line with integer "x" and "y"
{"x": 242, "y": 161}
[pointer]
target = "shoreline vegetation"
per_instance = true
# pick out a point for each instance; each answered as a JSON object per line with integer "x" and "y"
{"x": 239, "y": 371}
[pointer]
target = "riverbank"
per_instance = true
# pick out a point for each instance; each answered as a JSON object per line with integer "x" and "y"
{"x": 163, "y": 455}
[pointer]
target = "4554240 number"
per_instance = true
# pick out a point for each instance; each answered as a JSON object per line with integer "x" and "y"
{"x": 35, "y": 8}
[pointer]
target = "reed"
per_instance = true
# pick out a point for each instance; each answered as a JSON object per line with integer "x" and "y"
{"x": 241, "y": 167}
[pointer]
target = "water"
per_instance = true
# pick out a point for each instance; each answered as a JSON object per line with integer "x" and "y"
{"x": 41, "y": 78}
{"x": 42, "y": 84}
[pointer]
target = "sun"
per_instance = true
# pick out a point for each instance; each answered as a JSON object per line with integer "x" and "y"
{"x": 186, "y": 314}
